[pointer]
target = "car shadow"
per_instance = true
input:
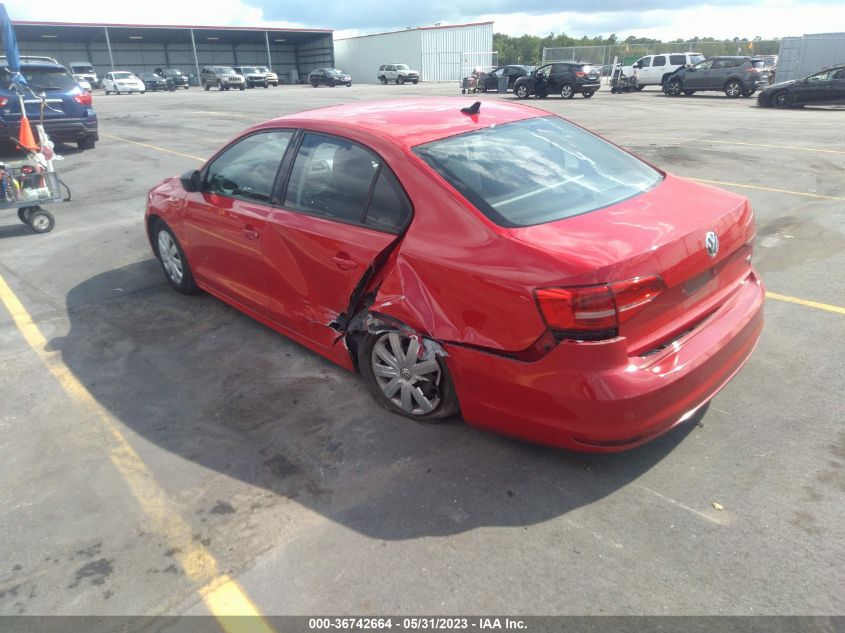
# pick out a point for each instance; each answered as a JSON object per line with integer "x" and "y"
{"x": 202, "y": 381}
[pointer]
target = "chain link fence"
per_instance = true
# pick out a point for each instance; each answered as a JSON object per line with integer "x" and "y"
{"x": 629, "y": 53}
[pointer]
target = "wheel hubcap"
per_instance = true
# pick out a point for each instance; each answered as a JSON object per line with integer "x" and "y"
{"x": 40, "y": 222}
{"x": 170, "y": 258}
{"x": 566, "y": 91}
{"x": 407, "y": 380}
{"x": 733, "y": 89}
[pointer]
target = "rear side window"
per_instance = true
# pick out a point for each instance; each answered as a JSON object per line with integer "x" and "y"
{"x": 757, "y": 63}
{"x": 248, "y": 168}
{"x": 537, "y": 170}
{"x": 341, "y": 180}
{"x": 677, "y": 60}
{"x": 660, "y": 60}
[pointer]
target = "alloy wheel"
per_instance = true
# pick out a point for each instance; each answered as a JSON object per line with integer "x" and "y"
{"x": 405, "y": 380}
{"x": 170, "y": 257}
{"x": 733, "y": 89}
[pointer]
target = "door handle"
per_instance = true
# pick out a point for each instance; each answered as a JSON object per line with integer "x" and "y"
{"x": 343, "y": 262}
{"x": 250, "y": 232}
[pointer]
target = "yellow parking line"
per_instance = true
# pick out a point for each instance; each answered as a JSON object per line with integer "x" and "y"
{"x": 221, "y": 594}
{"x": 760, "y": 188}
{"x": 804, "y": 302}
{"x": 160, "y": 149}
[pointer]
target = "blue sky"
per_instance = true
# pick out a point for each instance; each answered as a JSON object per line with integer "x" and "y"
{"x": 666, "y": 19}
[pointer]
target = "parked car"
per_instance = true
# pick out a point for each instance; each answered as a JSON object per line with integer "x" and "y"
{"x": 254, "y": 76}
{"x": 174, "y": 76}
{"x": 84, "y": 69}
{"x": 400, "y": 73}
{"x": 154, "y": 82}
{"x": 653, "y": 70}
{"x": 490, "y": 81}
{"x": 223, "y": 77}
{"x": 735, "y": 76}
{"x": 826, "y": 87}
{"x": 553, "y": 310}
{"x": 83, "y": 83}
{"x": 70, "y": 117}
{"x": 272, "y": 78}
{"x": 329, "y": 77}
{"x": 564, "y": 78}
{"x": 122, "y": 82}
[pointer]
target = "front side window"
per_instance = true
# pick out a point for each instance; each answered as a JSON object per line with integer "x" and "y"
{"x": 537, "y": 170}
{"x": 391, "y": 67}
{"x": 401, "y": 67}
{"x": 544, "y": 71}
{"x": 705, "y": 65}
{"x": 248, "y": 168}
{"x": 645, "y": 62}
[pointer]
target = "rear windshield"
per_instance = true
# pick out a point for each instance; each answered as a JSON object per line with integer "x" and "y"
{"x": 82, "y": 68}
{"x": 42, "y": 79}
{"x": 537, "y": 170}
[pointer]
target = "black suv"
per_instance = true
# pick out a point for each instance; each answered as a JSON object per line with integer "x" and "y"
{"x": 174, "y": 77}
{"x": 490, "y": 81}
{"x": 329, "y": 77}
{"x": 735, "y": 76}
{"x": 563, "y": 78}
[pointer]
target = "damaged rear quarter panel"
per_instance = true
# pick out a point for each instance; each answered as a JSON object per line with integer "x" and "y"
{"x": 456, "y": 277}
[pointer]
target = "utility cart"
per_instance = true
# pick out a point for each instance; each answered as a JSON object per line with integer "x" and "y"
{"x": 25, "y": 187}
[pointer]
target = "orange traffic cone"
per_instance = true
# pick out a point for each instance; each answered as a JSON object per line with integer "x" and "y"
{"x": 27, "y": 139}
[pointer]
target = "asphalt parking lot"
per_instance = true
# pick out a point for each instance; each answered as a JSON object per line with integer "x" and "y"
{"x": 157, "y": 447}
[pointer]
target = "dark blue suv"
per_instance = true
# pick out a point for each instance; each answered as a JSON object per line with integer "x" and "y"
{"x": 68, "y": 115}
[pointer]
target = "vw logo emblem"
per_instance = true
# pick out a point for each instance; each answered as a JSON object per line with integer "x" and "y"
{"x": 711, "y": 242}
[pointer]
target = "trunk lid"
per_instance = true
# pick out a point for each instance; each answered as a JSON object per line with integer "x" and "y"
{"x": 661, "y": 232}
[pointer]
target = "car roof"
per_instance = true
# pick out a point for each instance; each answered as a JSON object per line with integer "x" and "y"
{"x": 408, "y": 122}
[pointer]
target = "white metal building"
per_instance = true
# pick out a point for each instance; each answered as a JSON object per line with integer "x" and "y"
{"x": 440, "y": 53}
{"x": 802, "y": 56}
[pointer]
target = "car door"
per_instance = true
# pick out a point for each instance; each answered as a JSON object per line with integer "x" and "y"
{"x": 658, "y": 69}
{"x": 225, "y": 222}
{"x": 696, "y": 77}
{"x": 837, "y": 90}
{"x": 818, "y": 89}
{"x": 341, "y": 209}
{"x": 643, "y": 67}
{"x": 559, "y": 74}
{"x": 390, "y": 72}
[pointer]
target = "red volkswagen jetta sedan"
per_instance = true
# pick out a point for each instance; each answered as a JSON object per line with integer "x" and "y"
{"x": 505, "y": 264}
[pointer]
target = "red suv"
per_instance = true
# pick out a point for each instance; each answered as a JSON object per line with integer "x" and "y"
{"x": 500, "y": 262}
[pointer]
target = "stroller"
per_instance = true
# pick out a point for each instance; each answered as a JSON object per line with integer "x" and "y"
{"x": 620, "y": 82}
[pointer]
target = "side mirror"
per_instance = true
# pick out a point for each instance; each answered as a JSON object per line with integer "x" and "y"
{"x": 191, "y": 180}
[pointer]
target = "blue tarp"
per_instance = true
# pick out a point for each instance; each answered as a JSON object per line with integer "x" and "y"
{"x": 10, "y": 42}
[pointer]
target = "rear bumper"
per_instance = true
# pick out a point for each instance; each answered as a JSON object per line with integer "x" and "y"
{"x": 60, "y": 130}
{"x": 593, "y": 397}
{"x": 584, "y": 87}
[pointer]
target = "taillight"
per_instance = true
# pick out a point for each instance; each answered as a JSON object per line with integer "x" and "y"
{"x": 580, "y": 73}
{"x": 3, "y": 102}
{"x": 84, "y": 99}
{"x": 594, "y": 312}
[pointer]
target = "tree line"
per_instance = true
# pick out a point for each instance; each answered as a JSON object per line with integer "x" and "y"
{"x": 528, "y": 49}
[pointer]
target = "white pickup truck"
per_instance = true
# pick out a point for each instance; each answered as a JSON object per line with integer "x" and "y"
{"x": 652, "y": 70}
{"x": 400, "y": 73}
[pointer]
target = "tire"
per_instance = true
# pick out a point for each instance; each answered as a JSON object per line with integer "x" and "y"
{"x": 23, "y": 215}
{"x": 567, "y": 91}
{"x": 733, "y": 89}
{"x": 89, "y": 142}
{"x": 749, "y": 93}
{"x": 220, "y": 86}
{"x": 782, "y": 99}
{"x": 674, "y": 87}
{"x": 522, "y": 92}
{"x": 640, "y": 88}
{"x": 588, "y": 93}
{"x": 426, "y": 395}
{"x": 689, "y": 93}
{"x": 174, "y": 264}
{"x": 314, "y": 84}
{"x": 400, "y": 80}
{"x": 331, "y": 84}
{"x": 266, "y": 85}
{"x": 242, "y": 88}
{"x": 206, "y": 86}
{"x": 106, "y": 90}
{"x": 463, "y": 91}
{"x": 41, "y": 221}
{"x": 383, "y": 81}
{"x": 415, "y": 81}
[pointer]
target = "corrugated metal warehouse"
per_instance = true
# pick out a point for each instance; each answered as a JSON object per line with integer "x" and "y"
{"x": 138, "y": 48}
{"x": 802, "y": 56}
{"x": 440, "y": 53}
